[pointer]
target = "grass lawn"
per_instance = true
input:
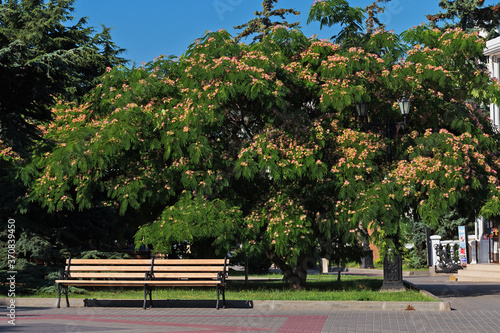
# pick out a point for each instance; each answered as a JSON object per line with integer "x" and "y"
{"x": 319, "y": 288}
{"x": 380, "y": 266}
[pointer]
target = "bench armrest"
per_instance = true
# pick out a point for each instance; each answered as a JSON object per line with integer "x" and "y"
{"x": 151, "y": 274}
{"x": 222, "y": 276}
{"x": 66, "y": 274}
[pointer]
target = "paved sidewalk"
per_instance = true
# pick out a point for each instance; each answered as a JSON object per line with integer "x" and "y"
{"x": 476, "y": 309}
{"x": 463, "y": 296}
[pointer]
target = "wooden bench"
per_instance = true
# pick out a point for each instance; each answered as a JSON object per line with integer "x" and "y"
{"x": 145, "y": 273}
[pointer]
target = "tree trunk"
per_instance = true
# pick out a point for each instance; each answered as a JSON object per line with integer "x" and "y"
{"x": 296, "y": 278}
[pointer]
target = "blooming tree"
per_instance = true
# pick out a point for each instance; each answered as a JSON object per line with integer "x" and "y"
{"x": 259, "y": 144}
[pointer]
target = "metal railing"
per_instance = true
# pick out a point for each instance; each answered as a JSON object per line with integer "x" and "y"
{"x": 445, "y": 257}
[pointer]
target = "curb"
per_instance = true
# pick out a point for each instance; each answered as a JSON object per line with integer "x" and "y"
{"x": 351, "y": 305}
{"x": 444, "y": 306}
{"x": 257, "y": 305}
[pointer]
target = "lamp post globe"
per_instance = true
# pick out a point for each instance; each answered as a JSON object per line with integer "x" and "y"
{"x": 404, "y": 107}
{"x": 362, "y": 109}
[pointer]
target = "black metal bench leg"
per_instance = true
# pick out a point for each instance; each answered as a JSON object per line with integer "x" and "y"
{"x": 148, "y": 290}
{"x": 66, "y": 292}
{"x": 224, "y": 297}
{"x": 59, "y": 299}
{"x": 218, "y": 291}
{"x": 151, "y": 296}
{"x": 62, "y": 290}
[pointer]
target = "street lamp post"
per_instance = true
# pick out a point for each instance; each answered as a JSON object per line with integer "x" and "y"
{"x": 393, "y": 267}
{"x": 404, "y": 107}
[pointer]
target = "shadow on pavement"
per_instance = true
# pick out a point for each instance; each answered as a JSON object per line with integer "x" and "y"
{"x": 32, "y": 308}
{"x": 441, "y": 287}
{"x": 463, "y": 290}
{"x": 168, "y": 303}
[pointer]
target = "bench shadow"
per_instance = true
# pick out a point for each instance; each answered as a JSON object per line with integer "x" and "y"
{"x": 166, "y": 303}
{"x": 462, "y": 289}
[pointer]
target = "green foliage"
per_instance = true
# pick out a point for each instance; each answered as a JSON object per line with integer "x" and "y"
{"x": 258, "y": 145}
{"x": 469, "y": 15}
{"x": 372, "y": 20}
{"x": 333, "y": 12}
{"x": 262, "y": 23}
{"x": 30, "y": 278}
{"x": 283, "y": 225}
{"x": 192, "y": 220}
{"x": 44, "y": 54}
{"x": 256, "y": 260}
{"x": 415, "y": 233}
{"x": 39, "y": 276}
{"x": 42, "y": 57}
{"x": 95, "y": 254}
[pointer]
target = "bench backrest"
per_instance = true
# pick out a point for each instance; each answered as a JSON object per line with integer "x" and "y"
{"x": 189, "y": 268}
{"x": 108, "y": 268}
{"x": 138, "y": 268}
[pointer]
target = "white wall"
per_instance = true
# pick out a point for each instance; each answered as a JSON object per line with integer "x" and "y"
{"x": 492, "y": 51}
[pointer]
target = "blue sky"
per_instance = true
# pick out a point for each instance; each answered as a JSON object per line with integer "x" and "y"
{"x": 149, "y": 28}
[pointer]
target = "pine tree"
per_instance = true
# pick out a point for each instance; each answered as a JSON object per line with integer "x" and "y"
{"x": 41, "y": 57}
{"x": 262, "y": 23}
{"x": 44, "y": 55}
{"x": 468, "y": 15}
{"x": 333, "y": 12}
{"x": 372, "y": 22}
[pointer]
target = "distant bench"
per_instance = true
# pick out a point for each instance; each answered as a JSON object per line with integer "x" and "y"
{"x": 146, "y": 273}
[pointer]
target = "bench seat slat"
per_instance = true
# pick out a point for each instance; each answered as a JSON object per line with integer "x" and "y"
{"x": 145, "y": 268}
{"x": 190, "y": 262}
{"x": 110, "y": 262}
{"x": 174, "y": 283}
{"x": 188, "y": 268}
{"x": 97, "y": 283}
{"x": 102, "y": 282}
{"x": 110, "y": 268}
{"x": 97, "y": 275}
{"x": 185, "y": 275}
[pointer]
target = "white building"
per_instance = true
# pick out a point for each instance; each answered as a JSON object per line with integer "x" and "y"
{"x": 483, "y": 243}
{"x": 483, "y": 240}
{"x": 492, "y": 51}
{"x": 486, "y": 233}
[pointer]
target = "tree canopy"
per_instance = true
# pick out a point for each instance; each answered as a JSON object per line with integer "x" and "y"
{"x": 262, "y": 23}
{"x": 44, "y": 55}
{"x": 468, "y": 15}
{"x": 259, "y": 144}
{"x": 350, "y": 19}
{"x": 333, "y": 12}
